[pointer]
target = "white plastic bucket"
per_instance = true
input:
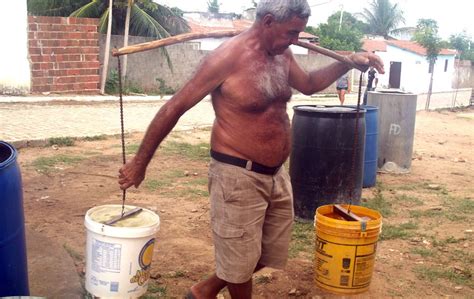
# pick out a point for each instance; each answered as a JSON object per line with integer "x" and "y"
{"x": 118, "y": 258}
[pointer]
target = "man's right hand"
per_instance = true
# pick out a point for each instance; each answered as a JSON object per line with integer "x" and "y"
{"x": 131, "y": 174}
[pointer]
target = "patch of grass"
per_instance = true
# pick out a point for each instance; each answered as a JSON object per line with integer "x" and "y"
{"x": 427, "y": 213}
{"x": 409, "y": 199}
{"x": 263, "y": 279}
{"x": 302, "y": 239}
{"x": 196, "y": 152}
{"x": 462, "y": 256}
{"x": 378, "y": 202}
{"x": 96, "y": 137}
{"x": 155, "y": 290}
{"x": 175, "y": 274}
{"x": 154, "y": 185}
{"x": 445, "y": 242}
{"x": 197, "y": 182}
{"x": 72, "y": 253}
{"x": 131, "y": 148}
{"x": 424, "y": 252}
{"x": 465, "y": 205}
{"x": 433, "y": 274}
{"x": 402, "y": 231}
{"x": 61, "y": 141}
{"x": 44, "y": 164}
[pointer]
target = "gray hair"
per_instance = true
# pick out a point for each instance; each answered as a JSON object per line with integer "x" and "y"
{"x": 283, "y": 10}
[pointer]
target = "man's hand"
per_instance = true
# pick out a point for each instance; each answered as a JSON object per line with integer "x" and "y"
{"x": 131, "y": 174}
{"x": 368, "y": 59}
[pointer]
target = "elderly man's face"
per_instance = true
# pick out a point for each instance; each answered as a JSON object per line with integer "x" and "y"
{"x": 284, "y": 34}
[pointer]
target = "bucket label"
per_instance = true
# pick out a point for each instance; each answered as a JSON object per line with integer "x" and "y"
{"x": 106, "y": 256}
{"x": 344, "y": 266}
{"x": 144, "y": 260}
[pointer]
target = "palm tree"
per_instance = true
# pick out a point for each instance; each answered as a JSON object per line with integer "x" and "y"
{"x": 382, "y": 18}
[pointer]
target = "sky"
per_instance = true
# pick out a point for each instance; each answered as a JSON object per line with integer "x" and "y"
{"x": 452, "y": 16}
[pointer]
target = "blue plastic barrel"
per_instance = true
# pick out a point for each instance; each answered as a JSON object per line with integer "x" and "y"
{"x": 371, "y": 144}
{"x": 13, "y": 262}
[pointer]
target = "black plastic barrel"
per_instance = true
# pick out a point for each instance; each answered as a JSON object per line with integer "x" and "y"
{"x": 13, "y": 262}
{"x": 321, "y": 157}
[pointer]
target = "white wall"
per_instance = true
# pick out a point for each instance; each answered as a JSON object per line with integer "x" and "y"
{"x": 414, "y": 75}
{"x": 14, "y": 64}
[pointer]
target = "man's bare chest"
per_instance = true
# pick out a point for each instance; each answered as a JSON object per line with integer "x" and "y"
{"x": 258, "y": 84}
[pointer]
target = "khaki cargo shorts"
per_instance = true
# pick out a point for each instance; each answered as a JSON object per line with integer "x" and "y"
{"x": 251, "y": 218}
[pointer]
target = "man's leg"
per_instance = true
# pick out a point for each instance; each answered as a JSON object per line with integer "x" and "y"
{"x": 210, "y": 287}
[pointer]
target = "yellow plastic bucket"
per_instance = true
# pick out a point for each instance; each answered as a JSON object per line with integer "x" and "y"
{"x": 345, "y": 250}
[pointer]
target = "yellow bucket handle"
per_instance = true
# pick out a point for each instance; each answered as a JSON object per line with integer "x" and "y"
{"x": 363, "y": 228}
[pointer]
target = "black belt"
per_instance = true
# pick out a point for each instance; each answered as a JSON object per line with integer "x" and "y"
{"x": 247, "y": 164}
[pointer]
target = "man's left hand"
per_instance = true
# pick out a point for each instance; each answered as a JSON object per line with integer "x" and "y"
{"x": 368, "y": 59}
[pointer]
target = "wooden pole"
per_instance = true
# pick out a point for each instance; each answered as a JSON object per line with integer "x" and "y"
{"x": 107, "y": 50}
{"x": 172, "y": 40}
{"x": 228, "y": 33}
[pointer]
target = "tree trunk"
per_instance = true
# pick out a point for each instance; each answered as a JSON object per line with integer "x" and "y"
{"x": 107, "y": 50}
{"x": 125, "y": 38}
{"x": 430, "y": 89}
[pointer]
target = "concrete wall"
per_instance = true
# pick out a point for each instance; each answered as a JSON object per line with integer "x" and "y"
{"x": 14, "y": 64}
{"x": 463, "y": 75}
{"x": 64, "y": 55}
{"x": 446, "y": 99}
{"x": 146, "y": 67}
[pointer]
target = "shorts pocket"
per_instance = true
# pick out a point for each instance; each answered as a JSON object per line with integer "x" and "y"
{"x": 226, "y": 231}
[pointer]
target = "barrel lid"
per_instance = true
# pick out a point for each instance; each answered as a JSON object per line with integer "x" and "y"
{"x": 326, "y": 109}
{"x": 7, "y": 154}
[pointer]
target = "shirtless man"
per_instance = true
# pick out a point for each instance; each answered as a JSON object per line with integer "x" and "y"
{"x": 249, "y": 78}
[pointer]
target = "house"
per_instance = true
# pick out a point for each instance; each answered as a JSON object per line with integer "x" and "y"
{"x": 205, "y": 22}
{"x": 406, "y": 67}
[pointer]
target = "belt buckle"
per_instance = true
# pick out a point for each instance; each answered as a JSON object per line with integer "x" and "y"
{"x": 248, "y": 166}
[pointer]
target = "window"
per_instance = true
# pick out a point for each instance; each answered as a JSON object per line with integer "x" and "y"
{"x": 445, "y": 65}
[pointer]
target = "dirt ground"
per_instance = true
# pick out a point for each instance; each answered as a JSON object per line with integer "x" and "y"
{"x": 426, "y": 245}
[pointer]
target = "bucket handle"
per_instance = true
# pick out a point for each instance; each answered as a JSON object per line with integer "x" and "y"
{"x": 363, "y": 228}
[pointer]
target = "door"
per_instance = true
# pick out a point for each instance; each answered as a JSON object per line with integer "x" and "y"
{"x": 395, "y": 74}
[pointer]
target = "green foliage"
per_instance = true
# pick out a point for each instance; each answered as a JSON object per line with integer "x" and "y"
{"x": 382, "y": 17}
{"x": 60, "y": 8}
{"x": 163, "y": 88}
{"x": 427, "y": 35}
{"x": 345, "y": 36}
{"x": 112, "y": 85}
{"x": 464, "y": 44}
{"x": 213, "y": 6}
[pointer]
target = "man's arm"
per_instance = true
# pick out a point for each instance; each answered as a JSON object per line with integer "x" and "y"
{"x": 210, "y": 74}
{"x": 314, "y": 81}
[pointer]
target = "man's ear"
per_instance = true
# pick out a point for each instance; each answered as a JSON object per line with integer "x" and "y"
{"x": 268, "y": 20}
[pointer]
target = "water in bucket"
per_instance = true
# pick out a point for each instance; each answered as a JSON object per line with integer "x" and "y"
{"x": 118, "y": 257}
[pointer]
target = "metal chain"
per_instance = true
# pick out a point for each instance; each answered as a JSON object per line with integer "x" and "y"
{"x": 356, "y": 144}
{"x": 122, "y": 126}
